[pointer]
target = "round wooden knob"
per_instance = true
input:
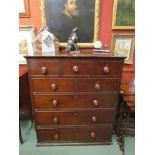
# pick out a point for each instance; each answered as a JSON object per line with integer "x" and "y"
{"x": 53, "y": 86}
{"x": 74, "y": 130}
{"x": 92, "y": 134}
{"x": 75, "y": 69}
{"x": 106, "y": 69}
{"x": 75, "y": 114}
{"x": 55, "y": 120}
{"x": 97, "y": 86}
{"x": 55, "y": 103}
{"x": 56, "y": 136}
{"x": 94, "y": 119}
{"x": 43, "y": 70}
{"x": 95, "y": 103}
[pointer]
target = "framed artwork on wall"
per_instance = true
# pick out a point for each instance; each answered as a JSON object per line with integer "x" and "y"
{"x": 62, "y": 16}
{"x": 24, "y": 8}
{"x": 123, "y": 45}
{"x": 26, "y": 38}
{"x": 123, "y": 14}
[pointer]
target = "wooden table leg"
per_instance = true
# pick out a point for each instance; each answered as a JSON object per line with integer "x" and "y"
{"x": 119, "y": 128}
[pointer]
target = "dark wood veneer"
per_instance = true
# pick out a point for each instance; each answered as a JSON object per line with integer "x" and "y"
{"x": 95, "y": 100}
{"x": 74, "y": 117}
{"x": 76, "y": 134}
{"x": 74, "y": 97}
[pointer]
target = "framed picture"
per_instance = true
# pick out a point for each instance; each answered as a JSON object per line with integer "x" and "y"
{"x": 61, "y": 16}
{"x": 24, "y": 8}
{"x": 123, "y": 14}
{"x": 26, "y": 38}
{"x": 123, "y": 45}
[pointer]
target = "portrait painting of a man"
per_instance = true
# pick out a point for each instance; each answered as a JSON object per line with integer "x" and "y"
{"x": 64, "y": 15}
{"x": 71, "y": 9}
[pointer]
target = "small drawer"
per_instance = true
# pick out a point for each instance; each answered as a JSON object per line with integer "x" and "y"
{"x": 44, "y": 67}
{"x": 75, "y": 68}
{"x": 106, "y": 67}
{"x": 98, "y": 84}
{"x": 106, "y": 100}
{"x": 74, "y": 117}
{"x": 100, "y": 133}
{"x": 52, "y": 85}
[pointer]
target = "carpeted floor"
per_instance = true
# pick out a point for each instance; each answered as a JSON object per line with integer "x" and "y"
{"x": 29, "y": 146}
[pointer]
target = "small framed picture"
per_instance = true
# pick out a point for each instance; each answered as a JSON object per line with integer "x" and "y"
{"x": 123, "y": 14}
{"x": 26, "y": 39}
{"x": 124, "y": 45}
{"x": 24, "y": 8}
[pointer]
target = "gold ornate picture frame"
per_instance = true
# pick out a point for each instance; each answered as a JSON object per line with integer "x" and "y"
{"x": 86, "y": 20}
{"x": 26, "y": 38}
{"x": 123, "y": 45}
{"x": 24, "y": 8}
{"x": 123, "y": 14}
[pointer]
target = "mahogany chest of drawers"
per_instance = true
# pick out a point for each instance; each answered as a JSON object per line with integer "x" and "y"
{"x": 74, "y": 98}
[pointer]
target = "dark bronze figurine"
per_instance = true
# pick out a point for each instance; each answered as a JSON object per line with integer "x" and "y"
{"x": 72, "y": 42}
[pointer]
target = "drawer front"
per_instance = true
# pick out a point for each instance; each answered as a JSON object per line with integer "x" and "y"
{"x": 74, "y": 117}
{"x": 106, "y": 100}
{"x": 52, "y": 85}
{"x": 98, "y": 85}
{"x": 75, "y": 68}
{"x": 106, "y": 67}
{"x": 44, "y": 67}
{"x": 76, "y": 134}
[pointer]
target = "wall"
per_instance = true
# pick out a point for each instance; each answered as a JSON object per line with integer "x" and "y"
{"x": 35, "y": 18}
{"x": 105, "y": 33}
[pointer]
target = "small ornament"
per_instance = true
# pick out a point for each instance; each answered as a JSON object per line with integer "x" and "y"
{"x": 46, "y": 41}
{"x": 97, "y": 44}
{"x": 72, "y": 42}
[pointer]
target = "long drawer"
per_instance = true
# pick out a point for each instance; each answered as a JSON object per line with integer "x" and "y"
{"x": 74, "y": 117}
{"x": 60, "y": 101}
{"x": 96, "y": 133}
